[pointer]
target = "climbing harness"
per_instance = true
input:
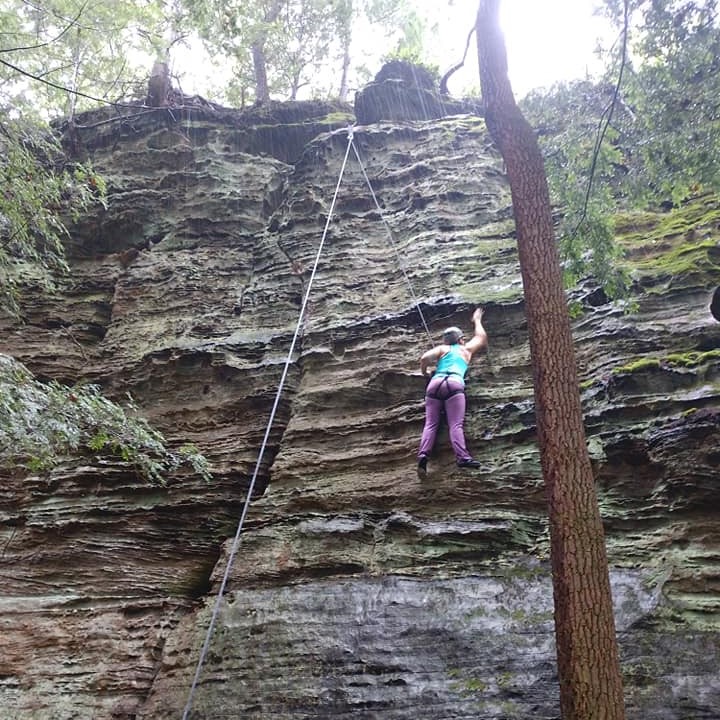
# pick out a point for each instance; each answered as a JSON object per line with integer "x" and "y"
{"x": 236, "y": 540}
{"x": 444, "y": 383}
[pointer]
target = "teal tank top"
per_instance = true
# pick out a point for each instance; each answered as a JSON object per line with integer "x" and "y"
{"x": 452, "y": 363}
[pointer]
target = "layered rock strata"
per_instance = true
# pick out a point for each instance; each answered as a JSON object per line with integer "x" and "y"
{"x": 357, "y": 590}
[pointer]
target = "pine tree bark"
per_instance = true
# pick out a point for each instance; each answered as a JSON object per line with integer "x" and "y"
{"x": 587, "y": 655}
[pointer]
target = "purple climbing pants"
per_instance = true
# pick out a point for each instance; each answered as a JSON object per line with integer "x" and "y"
{"x": 449, "y": 392}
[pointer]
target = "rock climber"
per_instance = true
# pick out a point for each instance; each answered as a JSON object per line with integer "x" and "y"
{"x": 446, "y": 390}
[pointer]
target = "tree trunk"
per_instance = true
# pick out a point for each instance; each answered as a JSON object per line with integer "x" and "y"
{"x": 257, "y": 48}
{"x": 262, "y": 91}
{"x": 159, "y": 85}
{"x": 72, "y": 97}
{"x": 588, "y": 666}
{"x": 344, "y": 89}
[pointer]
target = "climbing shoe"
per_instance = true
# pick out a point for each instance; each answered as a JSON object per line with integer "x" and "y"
{"x": 422, "y": 467}
{"x": 468, "y": 463}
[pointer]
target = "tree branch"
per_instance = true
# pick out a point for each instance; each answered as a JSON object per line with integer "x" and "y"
{"x": 51, "y": 84}
{"x": 72, "y": 23}
{"x": 607, "y": 114}
{"x": 456, "y": 67}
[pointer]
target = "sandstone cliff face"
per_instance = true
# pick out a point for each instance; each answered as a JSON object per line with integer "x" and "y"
{"x": 358, "y": 591}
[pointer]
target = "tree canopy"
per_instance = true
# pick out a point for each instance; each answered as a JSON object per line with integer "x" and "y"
{"x": 79, "y": 421}
{"x": 40, "y": 190}
{"x": 279, "y": 47}
{"x": 673, "y": 82}
{"x": 644, "y": 135}
{"x": 60, "y": 56}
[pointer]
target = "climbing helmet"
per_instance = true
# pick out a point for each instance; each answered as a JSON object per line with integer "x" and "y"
{"x": 452, "y": 335}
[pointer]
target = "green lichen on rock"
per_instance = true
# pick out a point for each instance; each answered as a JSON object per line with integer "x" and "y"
{"x": 338, "y": 118}
{"x": 644, "y": 226}
{"x": 638, "y": 365}
{"x": 470, "y": 686}
{"x": 690, "y": 359}
{"x": 692, "y": 261}
{"x": 42, "y": 424}
{"x": 680, "y": 246}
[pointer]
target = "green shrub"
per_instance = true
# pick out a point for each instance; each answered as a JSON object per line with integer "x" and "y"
{"x": 43, "y": 423}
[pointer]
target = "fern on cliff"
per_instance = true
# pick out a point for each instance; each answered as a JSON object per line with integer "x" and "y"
{"x": 43, "y": 423}
{"x": 39, "y": 193}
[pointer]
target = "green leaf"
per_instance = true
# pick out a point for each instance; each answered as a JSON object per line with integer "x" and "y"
{"x": 44, "y": 423}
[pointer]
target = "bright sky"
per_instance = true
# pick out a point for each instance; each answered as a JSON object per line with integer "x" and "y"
{"x": 552, "y": 40}
{"x": 546, "y": 40}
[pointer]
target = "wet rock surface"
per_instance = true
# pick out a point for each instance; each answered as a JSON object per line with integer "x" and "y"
{"x": 402, "y": 91}
{"x": 357, "y": 590}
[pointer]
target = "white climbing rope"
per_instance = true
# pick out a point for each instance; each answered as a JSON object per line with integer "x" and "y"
{"x": 236, "y": 541}
{"x": 393, "y": 244}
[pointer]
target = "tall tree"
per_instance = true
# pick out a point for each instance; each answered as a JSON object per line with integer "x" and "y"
{"x": 345, "y": 18}
{"x": 281, "y": 46}
{"x": 314, "y": 24}
{"x": 588, "y": 666}
{"x": 258, "y": 42}
{"x": 275, "y": 44}
{"x": 390, "y": 20}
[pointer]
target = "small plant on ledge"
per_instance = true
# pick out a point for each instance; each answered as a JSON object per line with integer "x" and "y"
{"x": 42, "y": 424}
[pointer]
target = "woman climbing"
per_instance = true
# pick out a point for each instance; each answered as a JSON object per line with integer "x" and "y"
{"x": 446, "y": 390}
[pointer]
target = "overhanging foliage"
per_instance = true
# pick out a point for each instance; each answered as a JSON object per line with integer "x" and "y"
{"x": 42, "y": 424}
{"x": 39, "y": 191}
